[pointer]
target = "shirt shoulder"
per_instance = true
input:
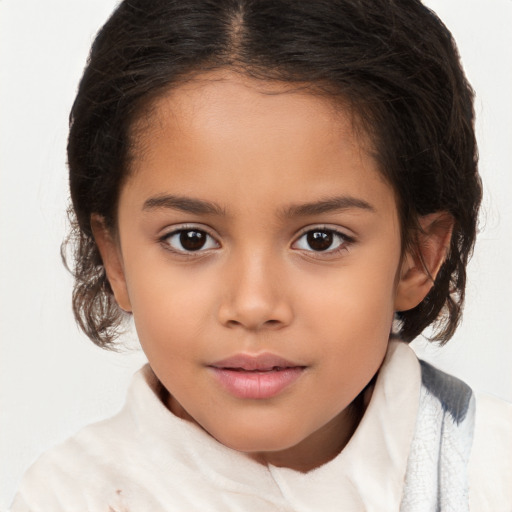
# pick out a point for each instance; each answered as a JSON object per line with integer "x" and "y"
{"x": 102, "y": 467}
{"x": 72, "y": 475}
{"x": 490, "y": 467}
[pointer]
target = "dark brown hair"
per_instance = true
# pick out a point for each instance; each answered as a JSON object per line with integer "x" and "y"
{"x": 392, "y": 61}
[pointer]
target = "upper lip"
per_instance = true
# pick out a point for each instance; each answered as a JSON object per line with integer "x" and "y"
{"x": 257, "y": 362}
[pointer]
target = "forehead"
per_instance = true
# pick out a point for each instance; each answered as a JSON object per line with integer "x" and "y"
{"x": 223, "y": 99}
{"x": 226, "y": 131}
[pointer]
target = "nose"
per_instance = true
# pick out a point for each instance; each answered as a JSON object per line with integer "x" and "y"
{"x": 255, "y": 296}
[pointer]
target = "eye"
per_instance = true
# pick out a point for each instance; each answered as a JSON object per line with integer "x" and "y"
{"x": 190, "y": 240}
{"x": 322, "y": 240}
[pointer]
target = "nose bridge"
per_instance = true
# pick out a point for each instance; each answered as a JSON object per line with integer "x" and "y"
{"x": 255, "y": 296}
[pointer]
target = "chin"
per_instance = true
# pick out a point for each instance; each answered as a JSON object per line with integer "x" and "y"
{"x": 264, "y": 438}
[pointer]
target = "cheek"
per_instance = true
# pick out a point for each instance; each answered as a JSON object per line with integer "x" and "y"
{"x": 170, "y": 306}
{"x": 351, "y": 312}
{"x": 358, "y": 296}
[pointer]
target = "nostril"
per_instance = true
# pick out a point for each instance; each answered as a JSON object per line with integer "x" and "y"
{"x": 265, "y": 324}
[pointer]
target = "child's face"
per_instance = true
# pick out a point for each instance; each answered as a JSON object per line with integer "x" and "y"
{"x": 254, "y": 224}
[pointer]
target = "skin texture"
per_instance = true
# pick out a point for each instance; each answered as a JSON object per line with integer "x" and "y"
{"x": 254, "y": 153}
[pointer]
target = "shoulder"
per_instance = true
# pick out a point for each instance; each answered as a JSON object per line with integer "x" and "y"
{"x": 99, "y": 466}
{"x": 481, "y": 427}
{"x": 490, "y": 469}
{"x": 91, "y": 460}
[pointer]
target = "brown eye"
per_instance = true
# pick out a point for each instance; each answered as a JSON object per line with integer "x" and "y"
{"x": 190, "y": 240}
{"x": 322, "y": 240}
{"x": 319, "y": 240}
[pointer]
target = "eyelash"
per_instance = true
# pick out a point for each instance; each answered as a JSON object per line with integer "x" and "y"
{"x": 329, "y": 235}
{"x": 166, "y": 240}
{"x": 344, "y": 241}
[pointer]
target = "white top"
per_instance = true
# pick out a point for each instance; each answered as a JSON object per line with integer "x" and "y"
{"x": 147, "y": 459}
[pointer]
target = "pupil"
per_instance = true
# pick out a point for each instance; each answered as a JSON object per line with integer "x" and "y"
{"x": 319, "y": 240}
{"x": 192, "y": 240}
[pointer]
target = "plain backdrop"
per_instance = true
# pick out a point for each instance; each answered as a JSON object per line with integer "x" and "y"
{"x": 52, "y": 379}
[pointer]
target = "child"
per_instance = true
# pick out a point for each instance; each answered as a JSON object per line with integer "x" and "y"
{"x": 282, "y": 194}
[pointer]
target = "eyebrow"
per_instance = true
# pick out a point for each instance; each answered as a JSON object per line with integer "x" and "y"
{"x": 328, "y": 205}
{"x": 201, "y": 207}
{"x": 184, "y": 204}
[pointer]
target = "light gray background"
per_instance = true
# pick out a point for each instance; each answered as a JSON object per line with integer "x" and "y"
{"x": 52, "y": 379}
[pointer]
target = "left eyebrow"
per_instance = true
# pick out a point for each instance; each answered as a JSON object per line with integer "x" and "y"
{"x": 329, "y": 205}
{"x": 184, "y": 204}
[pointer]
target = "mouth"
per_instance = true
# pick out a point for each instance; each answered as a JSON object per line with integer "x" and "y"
{"x": 259, "y": 370}
{"x": 256, "y": 377}
{"x": 265, "y": 362}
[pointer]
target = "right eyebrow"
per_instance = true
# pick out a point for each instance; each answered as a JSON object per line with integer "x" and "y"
{"x": 184, "y": 204}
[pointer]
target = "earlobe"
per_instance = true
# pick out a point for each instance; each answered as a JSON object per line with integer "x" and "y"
{"x": 422, "y": 262}
{"x": 112, "y": 261}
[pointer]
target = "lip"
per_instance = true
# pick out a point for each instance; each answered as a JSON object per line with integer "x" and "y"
{"x": 256, "y": 377}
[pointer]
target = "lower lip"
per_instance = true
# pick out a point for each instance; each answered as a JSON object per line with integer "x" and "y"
{"x": 257, "y": 385}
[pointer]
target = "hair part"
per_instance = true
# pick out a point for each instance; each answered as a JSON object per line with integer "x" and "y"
{"x": 392, "y": 61}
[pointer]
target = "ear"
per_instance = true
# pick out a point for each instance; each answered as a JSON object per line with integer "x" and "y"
{"x": 423, "y": 261}
{"x": 112, "y": 261}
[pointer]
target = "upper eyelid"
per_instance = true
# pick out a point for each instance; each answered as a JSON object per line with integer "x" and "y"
{"x": 174, "y": 230}
{"x": 325, "y": 227}
{"x": 170, "y": 230}
{"x": 346, "y": 242}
